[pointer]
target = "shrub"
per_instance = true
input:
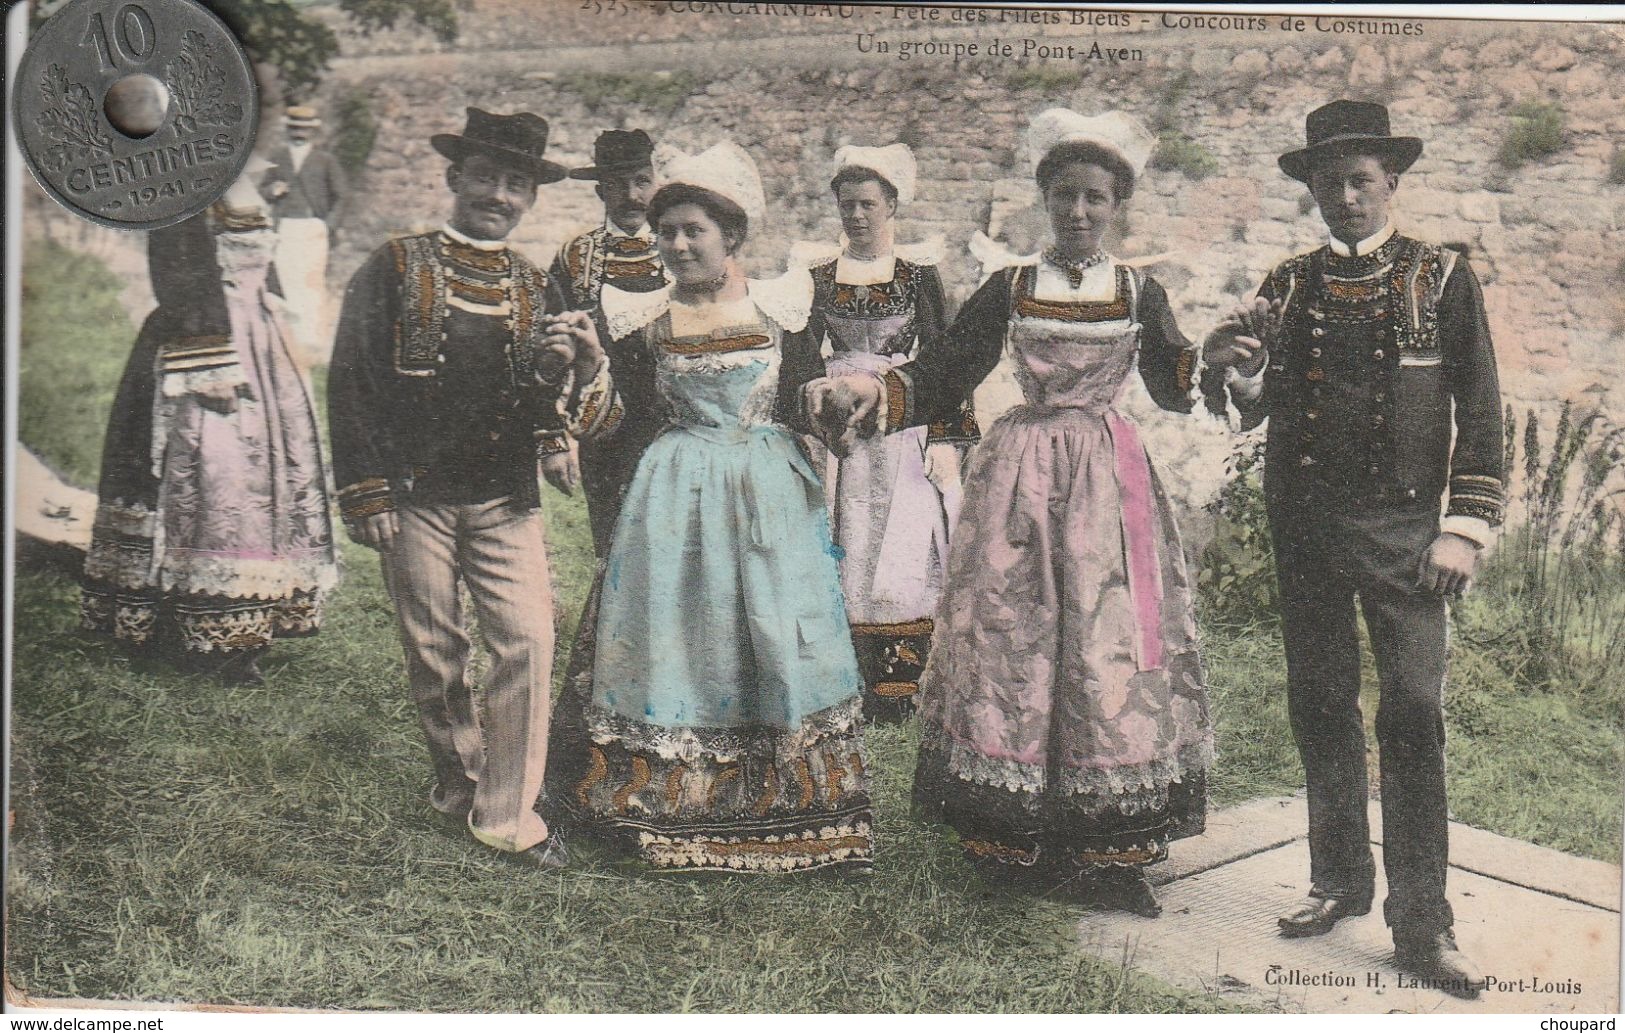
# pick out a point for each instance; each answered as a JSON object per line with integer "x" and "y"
{"x": 1538, "y": 131}
{"x": 1177, "y": 151}
{"x": 356, "y": 130}
{"x": 1235, "y": 581}
{"x": 1042, "y": 79}
{"x": 658, "y": 93}
{"x": 1556, "y": 584}
{"x": 1616, "y": 167}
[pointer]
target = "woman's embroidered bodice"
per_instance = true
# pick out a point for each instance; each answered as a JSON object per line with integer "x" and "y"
{"x": 1073, "y": 354}
{"x": 717, "y": 366}
{"x": 872, "y": 318}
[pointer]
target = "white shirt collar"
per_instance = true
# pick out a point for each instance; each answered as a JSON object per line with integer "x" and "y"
{"x": 860, "y": 272}
{"x": 1366, "y": 246}
{"x": 643, "y": 231}
{"x": 461, "y": 238}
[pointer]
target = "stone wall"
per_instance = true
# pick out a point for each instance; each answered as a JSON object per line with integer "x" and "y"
{"x": 1545, "y": 239}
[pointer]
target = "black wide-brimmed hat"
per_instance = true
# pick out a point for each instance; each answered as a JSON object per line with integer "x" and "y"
{"x": 518, "y": 139}
{"x": 1345, "y": 125}
{"x": 618, "y": 150}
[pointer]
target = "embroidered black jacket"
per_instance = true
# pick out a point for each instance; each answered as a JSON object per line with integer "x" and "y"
{"x": 1382, "y": 357}
{"x": 400, "y": 419}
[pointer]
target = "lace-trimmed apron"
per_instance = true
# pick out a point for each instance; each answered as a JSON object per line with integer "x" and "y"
{"x": 1063, "y": 702}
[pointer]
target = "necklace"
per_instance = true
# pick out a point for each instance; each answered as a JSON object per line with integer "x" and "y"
{"x": 859, "y": 256}
{"x": 1074, "y": 268}
{"x": 712, "y": 286}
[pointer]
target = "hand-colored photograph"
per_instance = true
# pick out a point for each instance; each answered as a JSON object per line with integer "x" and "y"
{"x": 630, "y": 506}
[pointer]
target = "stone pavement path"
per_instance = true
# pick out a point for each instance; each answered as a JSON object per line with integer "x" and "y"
{"x": 1544, "y": 924}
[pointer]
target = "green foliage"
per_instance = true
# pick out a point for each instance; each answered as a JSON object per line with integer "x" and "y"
{"x": 1179, "y": 152}
{"x": 1042, "y": 79}
{"x": 74, "y": 341}
{"x": 301, "y": 47}
{"x": 1558, "y": 578}
{"x": 355, "y": 131}
{"x": 1538, "y": 131}
{"x": 1236, "y": 579}
{"x": 1175, "y": 150}
{"x": 438, "y": 16}
{"x": 177, "y": 840}
{"x": 1166, "y": 114}
{"x": 658, "y": 93}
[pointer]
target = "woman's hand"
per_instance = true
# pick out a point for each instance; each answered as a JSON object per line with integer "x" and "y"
{"x": 942, "y": 466}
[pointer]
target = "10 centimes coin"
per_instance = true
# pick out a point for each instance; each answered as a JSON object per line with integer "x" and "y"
{"x": 185, "y": 138}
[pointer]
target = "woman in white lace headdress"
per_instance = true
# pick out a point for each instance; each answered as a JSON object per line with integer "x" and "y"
{"x": 712, "y": 719}
{"x": 877, "y": 304}
{"x": 1063, "y": 714}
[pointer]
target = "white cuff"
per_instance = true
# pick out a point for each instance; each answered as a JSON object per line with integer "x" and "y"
{"x": 1475, "y": 529}
{"x": 883, "y": 410}
{"x": 1244, "y": 388}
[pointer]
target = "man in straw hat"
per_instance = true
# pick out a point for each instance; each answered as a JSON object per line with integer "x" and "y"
{"x": 305, "y": 186}
{"x": 1365, "y": 355}
{"x": 619, "y": 254}
{"x": 442, "y": 402}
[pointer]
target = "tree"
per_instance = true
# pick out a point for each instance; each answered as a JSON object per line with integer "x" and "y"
{"x": 275, "y": 31}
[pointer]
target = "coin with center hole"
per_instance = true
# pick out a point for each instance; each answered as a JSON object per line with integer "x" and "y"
{"x": 135, "y": 113}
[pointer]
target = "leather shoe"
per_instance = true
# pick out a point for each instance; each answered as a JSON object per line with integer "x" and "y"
{"x": 1438, "y": 960}
{"x": 1317, "y": 915}
{"x": 549, "y": 853}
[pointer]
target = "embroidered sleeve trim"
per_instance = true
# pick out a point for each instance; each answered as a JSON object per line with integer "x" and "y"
{"x": 1477, "y": 495}
{"x": 899, "y": 400}
{"x": 551, "y": 443}
{"x": 365, "y": 498}
{"x": 963, "y": 429}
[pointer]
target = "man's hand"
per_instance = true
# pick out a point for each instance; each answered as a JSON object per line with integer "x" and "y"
{"x": 562, "y": 471}
{"x": 275, "y": 190}
{"x": 1244, "y": 337}
{"x": 220, "y": 398}
{"x": 843, "y": 409}
{"x": 1448, "y": 565}
{"x": 377, "y": 531}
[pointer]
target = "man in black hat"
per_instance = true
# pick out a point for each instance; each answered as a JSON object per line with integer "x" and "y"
{"x": 443, "y": 400}
{"x": 1367, "y": 355}
{"x": 621, "y": 255}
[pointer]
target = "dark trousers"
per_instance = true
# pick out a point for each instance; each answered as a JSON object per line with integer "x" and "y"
{"x": 1326, "y": 556}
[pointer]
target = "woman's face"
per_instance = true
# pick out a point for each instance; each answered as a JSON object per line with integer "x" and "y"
{"x": 691, "y": 244}
{"x": 865, "y": 211}
{"x": 1082, "y": 202}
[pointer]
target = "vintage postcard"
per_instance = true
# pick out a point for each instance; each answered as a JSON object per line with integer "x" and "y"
{"x": 632, "y": 506}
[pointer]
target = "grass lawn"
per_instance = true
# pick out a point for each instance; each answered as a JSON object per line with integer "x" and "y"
{"x": 176, "y": 840}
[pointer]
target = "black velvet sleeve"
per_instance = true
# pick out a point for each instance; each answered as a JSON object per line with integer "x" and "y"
{"x": 800, "y": 363}
{"x": 1477, "y": 474}
{"x": 1166, "y": 357}
{"x": 364, "y": 456}
{"x": 937, "y": 384}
